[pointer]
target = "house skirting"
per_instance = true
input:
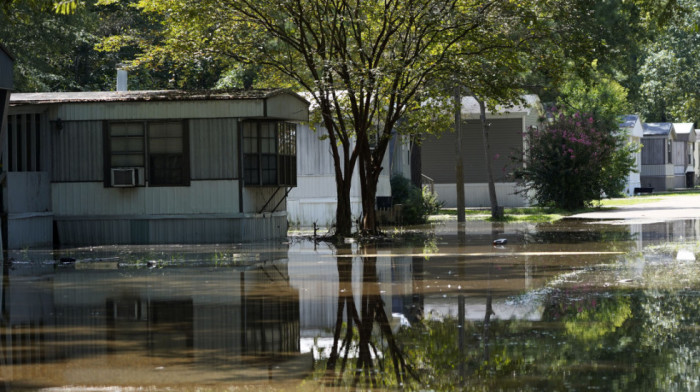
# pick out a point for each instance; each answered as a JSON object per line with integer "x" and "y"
{"x": 31, "y": 230}
{"x": 477, "y": 195}
{"x": 659, "y": 183}
{"x": 305, "y": 212}
{"x": 168, "y": 229}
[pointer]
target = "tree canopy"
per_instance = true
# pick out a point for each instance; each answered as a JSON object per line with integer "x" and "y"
{"x": 363, "y": 64}
{"x": 670, "y": 78}
{"x": 370, "y": 67}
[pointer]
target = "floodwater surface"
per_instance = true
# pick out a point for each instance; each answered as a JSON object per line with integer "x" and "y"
{"x": 565, "y": 306}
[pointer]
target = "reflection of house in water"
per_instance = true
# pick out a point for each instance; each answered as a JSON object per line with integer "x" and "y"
{"x": 314, "y": 273}
{"x": 666, "y": 231}
{"x": 159, "y": 317}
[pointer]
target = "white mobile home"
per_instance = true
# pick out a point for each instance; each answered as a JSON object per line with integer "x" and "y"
{"x": 658, "y": 159}
{"x": 632, "y": 126}
{"x": 315, "y": 199}
{"x": 144, "y": 167}
{"x": 684, "y": 155}
{"x": 506, "y": 134}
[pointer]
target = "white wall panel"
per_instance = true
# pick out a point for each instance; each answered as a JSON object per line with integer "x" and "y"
{"x": 92, "y": 198}
{"x": 657, "y": 170}
{"x": 477, "y": 195}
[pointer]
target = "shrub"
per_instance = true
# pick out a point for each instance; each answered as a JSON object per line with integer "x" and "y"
{"x": 416, "y": 204}
{"x": 574, "y": 160}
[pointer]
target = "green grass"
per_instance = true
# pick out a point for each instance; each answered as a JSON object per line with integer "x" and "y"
{"x": 628, "y": 201}
{"x": 520, "y": 214}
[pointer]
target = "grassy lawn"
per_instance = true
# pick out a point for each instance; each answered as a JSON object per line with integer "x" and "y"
{"x": 521, "y": 214}
{"x": 628, "y": 201}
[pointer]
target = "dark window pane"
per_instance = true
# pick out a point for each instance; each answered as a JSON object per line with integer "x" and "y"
{"x": 166, "y": 169}
{"x": 269, "y": 169}
{"x": 127, "y": 144}
{"x": 251, "y": 169}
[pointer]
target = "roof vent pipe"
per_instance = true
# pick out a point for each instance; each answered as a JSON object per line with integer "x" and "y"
{"x": 122, "y": 78}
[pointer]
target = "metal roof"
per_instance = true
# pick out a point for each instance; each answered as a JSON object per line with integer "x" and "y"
{"x": 146, "y": 95}
{"x": 471, "y": 106}
{"x": 683, "y": 128}
{"x": 657, "y": 129}
{"x": 629, "y": 120}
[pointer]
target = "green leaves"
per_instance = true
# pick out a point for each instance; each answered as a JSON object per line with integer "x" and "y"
{"x": 574, "y": 160}
{"x": 669, "y": 74}
{"x": 65, "y": 7}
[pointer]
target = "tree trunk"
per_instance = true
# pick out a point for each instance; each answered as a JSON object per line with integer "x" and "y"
{"x": 416, "y": 164}
{"x": 459, "y": 165}
{"x": 343, "y": 212}
{"x": 496, "y": 212}
{"x": 368, "y": 188}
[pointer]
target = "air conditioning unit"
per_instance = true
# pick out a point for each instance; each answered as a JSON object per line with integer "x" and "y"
{"x": 127, "y": 176}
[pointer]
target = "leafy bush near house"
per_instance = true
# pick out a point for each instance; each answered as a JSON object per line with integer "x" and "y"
{"x": 416, "y": 203}
{"x": 574, "y": 160}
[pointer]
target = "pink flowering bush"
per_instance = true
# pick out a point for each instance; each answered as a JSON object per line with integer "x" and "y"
{"x": 574, "y": 160}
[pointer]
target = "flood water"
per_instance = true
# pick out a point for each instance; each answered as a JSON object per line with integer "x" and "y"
{"x": 565, "y": 306}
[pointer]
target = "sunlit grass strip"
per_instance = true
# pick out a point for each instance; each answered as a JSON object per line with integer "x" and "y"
{"x": 520, "y": 214}
{"x": 628, "y": 201}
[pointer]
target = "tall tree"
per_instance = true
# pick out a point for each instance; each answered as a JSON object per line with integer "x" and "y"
{"x": 64, "y": 51}
{"x": 362, "y": 63}
{"x": 670, "y": 85}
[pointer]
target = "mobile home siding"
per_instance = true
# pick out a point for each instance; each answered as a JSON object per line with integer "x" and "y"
{"x": 281, "y": 107}
{"x": 654, "y": 151}
{"x": 27, "y": 142}
{"x": 505, "y": 137}
{"x": 317, "y": 159}
{"x": 77, "y": 152}
{"x": 212, "y": 144}
{"x": 92, "y": 198}
{"x": 87, "y": 231}
{"x": 679, "y": 155}
{"x": 28, "y": 202}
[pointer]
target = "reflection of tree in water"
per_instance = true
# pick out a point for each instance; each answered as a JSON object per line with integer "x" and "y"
{"x": 567, "y": 233}
{"x": 360, "y": 320}
{"x": 625, "y": 340}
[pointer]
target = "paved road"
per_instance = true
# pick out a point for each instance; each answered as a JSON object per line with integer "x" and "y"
{"x": 663, "y": 208}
